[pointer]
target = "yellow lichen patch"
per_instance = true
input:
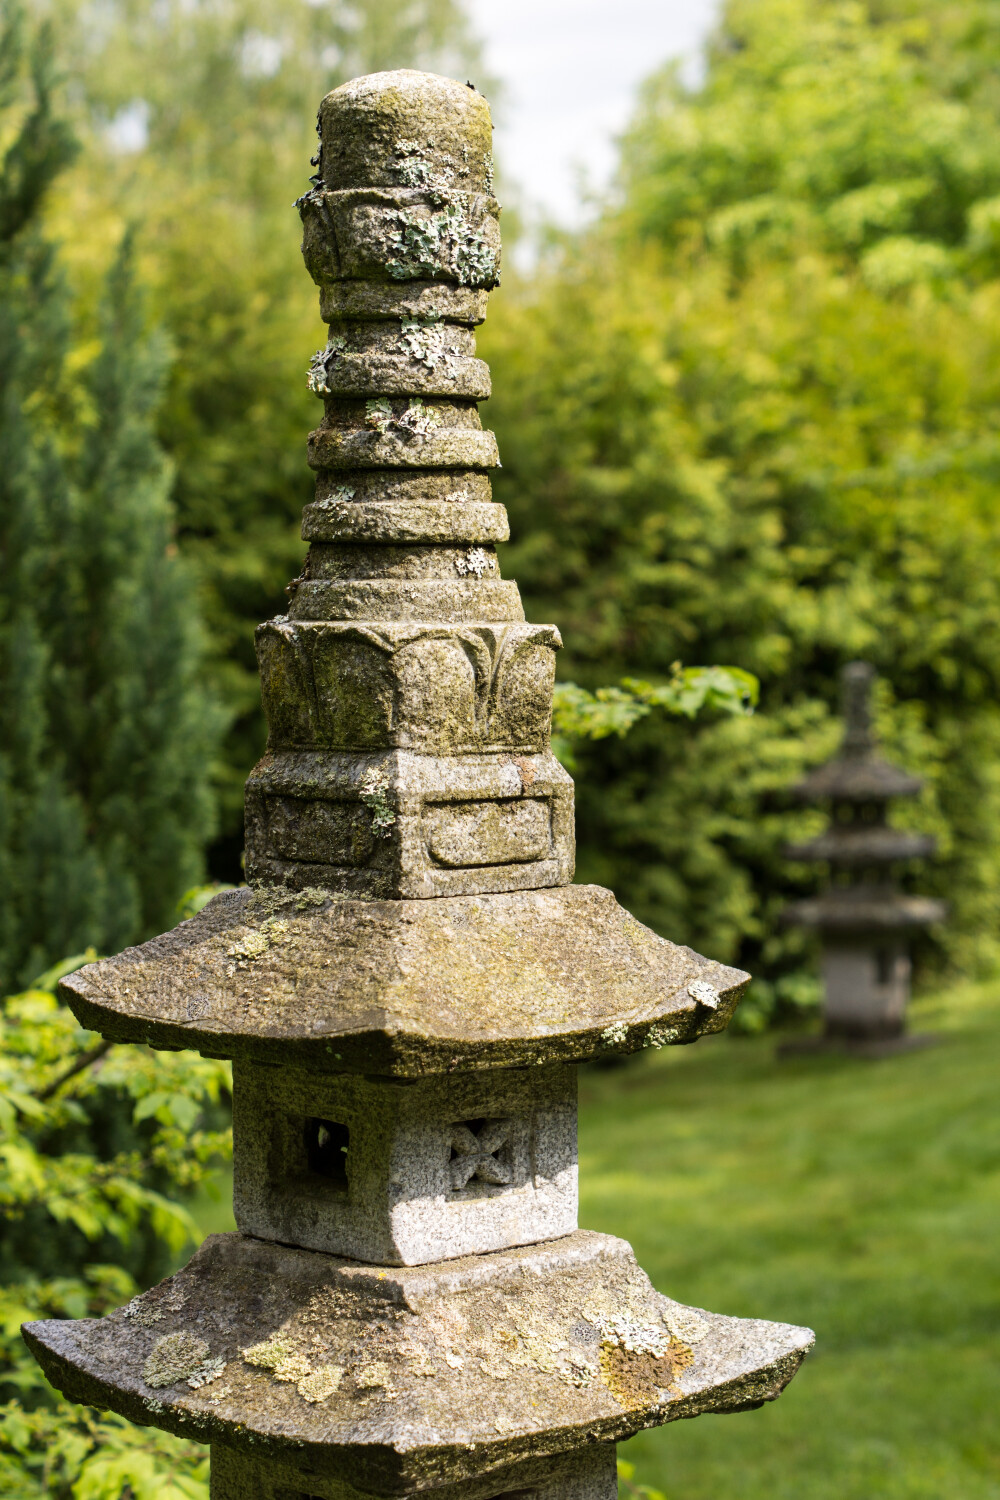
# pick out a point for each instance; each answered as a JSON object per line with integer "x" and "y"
{"x": 684, "y": 1323}
{"x": 257, "y": 943}
{"x": 269, "y": 1354}
{"x": 320, "y": 1384}
{"x": 375, "y": 1376}
{"x": 293, "y": 1368}
{"x": 635, "y": 1377}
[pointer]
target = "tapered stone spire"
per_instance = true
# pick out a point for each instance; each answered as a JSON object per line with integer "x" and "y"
{"x": 409, "y": 979}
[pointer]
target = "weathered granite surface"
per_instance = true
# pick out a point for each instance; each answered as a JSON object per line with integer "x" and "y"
{"x": 407, "y": 988}
{"x": 397, "y": 1380}
{"x": 404, "y": 1171}
{"x": 588, "y": 1473}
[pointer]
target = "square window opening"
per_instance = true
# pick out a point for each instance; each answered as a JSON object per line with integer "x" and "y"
{"x": 327, "y": 1144}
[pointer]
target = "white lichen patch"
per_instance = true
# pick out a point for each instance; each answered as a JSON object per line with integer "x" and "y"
{"x": 453, "y": 1360}
{"x": 269, "y": 900}
{"x": 615, "y": 1034}
{"x": 378, "y": 414}
{"x": 476, "y": 562}
{"x": 661, "y": 1036}
{"x": 375, "y": 796}
{"x": 375, "y": 1376}
{"x": 625, "y": 1332}
{"x": 206, "y": 1372}
{"x": 704, "y": 993}
{"x": 268, "y": 1354}
{"x": 322, "y": 363}
{"x": 415, "y": 420}
{"x": 144, "y": 1313}
{"x": 151, "y": 1307}
{"x": 421, "y": 245}
{"x": 174, "y": 1358}
{"x": 425, "y": 341}
{"x": 290, "y": 1363}
{"x": 685, "y": 1324}
{"x": 412, "y": 168}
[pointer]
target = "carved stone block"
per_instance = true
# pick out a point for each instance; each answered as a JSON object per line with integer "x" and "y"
{"x": 435, "y": 689}
{"x": 400, "y": 1173}
{"x": 402, "y": 825}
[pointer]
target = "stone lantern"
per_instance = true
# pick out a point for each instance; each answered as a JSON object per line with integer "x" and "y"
{"x": 864, "y": 922}
{"x": 409, "y": 980}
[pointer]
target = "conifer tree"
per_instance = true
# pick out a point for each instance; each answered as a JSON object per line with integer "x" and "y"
{"x": 105, "y": 733}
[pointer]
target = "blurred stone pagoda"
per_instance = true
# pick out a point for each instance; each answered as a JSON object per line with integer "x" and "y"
{"x": 408, "y": 982}
{"x": 864, "y": 921}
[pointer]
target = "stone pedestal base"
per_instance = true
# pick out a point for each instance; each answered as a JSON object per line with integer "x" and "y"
{"x": 589, "y": 1473}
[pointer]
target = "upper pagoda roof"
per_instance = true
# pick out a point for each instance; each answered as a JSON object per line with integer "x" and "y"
{"x": 410, "y": 987}
{"x": 858, "y": 774}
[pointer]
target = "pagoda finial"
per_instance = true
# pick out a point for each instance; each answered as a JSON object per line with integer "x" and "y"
{"x": 857, "y": 680}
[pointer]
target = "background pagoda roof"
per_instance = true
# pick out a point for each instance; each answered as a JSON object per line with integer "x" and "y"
{"x": 407, "y": 988}
{"x": 847, "y": 779}
{"x": 865, "y": 909}
{"x": 852, "y": 845}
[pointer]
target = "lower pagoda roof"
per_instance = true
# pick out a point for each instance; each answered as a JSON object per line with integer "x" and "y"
{"x": 407, "y": 988}
{"x": 400, "y": 1379}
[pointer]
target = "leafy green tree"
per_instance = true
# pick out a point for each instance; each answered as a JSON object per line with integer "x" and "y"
{"x": 105, "y": 729}
{"x": 733, "y": 431}
{"x": 98, "y": 1146}
{"x": 197, "y": 123}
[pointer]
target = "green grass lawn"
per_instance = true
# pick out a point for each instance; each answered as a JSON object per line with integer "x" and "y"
{"x": 860, "y": 1198}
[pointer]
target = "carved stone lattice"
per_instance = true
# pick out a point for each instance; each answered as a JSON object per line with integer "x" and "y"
{"x": 410, "y": 978}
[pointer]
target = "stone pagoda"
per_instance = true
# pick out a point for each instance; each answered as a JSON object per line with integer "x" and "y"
{"x": 408, "y": 982}
{"x": 863, "y": 920}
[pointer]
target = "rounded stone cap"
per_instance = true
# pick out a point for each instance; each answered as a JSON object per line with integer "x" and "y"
{"x": 406, "y": 129}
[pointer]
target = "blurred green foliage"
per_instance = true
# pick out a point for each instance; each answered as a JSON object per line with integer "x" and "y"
{"x": 99, "y": 1145}
{"x": 753, "y": 416}
{"x": 106, "y": 732}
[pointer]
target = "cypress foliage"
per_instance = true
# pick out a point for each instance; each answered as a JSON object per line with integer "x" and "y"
{"x": 105, "y": 733}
